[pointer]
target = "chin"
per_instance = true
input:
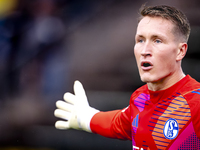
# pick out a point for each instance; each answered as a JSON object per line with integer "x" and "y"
{"x": 145, "y": 79}
{"x": 148, "y": 78}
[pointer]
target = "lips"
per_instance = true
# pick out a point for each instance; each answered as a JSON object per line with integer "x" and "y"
{"x": 146, "y": 65}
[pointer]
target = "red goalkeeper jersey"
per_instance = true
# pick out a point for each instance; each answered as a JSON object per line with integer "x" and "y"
{"x": 167, "y": 119}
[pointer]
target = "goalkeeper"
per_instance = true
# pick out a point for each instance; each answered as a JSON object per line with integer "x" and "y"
{"x": 162, "y": 114}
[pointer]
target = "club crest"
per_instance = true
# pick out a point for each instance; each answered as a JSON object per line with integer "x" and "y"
{"x": 171, "y": 129}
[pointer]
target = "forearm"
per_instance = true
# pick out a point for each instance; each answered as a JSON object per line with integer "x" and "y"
{"x": 108, "y": 124}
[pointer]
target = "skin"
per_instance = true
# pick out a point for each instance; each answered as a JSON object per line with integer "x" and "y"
{"x": 157, "y": 44}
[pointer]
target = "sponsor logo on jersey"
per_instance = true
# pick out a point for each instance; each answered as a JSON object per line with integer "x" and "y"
{"x": 171, "y": 128}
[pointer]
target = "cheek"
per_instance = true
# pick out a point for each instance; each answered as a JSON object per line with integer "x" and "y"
{"x": 166, "y": 62}
{"x": 137, "y": 53}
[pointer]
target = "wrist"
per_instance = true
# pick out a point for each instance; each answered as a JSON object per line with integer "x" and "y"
{"x": 85, "y": 118}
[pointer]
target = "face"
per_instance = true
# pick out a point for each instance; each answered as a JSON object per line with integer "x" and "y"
{"x": 156, "y": 49}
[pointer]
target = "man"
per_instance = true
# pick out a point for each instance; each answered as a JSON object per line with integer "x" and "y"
{"x": 164, "y": 113}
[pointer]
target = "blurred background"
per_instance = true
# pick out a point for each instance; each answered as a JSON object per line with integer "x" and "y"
{"x": 47, "y": 44}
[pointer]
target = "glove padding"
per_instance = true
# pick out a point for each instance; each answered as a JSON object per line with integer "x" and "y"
{"x": 75, "y": 110}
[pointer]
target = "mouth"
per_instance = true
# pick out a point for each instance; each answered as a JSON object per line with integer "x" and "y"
{"x": 146, "y": 65}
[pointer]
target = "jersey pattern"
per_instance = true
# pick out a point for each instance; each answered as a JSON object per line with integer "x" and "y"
{"x": 156, "y": 120}
{"x": 164, "y": 124}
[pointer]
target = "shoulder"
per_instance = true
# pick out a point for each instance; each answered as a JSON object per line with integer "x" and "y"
{"x": 191, "y": 91}
{"x": 142, "y": 90}
{"x": 192, "y": 96}
{"x": 191, "y": 85}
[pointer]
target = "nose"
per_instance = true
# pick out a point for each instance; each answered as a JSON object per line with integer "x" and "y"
{"x": 147, "y": 49}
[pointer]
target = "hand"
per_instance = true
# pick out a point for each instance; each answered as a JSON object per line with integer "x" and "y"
{"x": 75, "y": 110}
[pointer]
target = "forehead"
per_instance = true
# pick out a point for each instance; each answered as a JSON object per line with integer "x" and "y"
{"x": 154, "y": 25}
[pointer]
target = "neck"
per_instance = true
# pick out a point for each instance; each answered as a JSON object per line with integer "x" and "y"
{"x": 165, "y": 82}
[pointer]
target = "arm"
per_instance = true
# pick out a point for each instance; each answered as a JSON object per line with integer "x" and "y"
{"x": 112, "y": 124}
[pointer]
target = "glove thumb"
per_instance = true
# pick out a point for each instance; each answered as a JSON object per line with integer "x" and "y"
{"x": 80, "y": 93}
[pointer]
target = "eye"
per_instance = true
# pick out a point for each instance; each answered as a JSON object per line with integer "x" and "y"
{"x": 140, "y": 40}
{"x": 158, "y": 41}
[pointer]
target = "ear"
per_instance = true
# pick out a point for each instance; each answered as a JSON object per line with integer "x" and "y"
{"x": 181, "y": 51}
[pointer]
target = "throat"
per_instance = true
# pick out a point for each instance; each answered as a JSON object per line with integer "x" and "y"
{"x": 164, "y": 83}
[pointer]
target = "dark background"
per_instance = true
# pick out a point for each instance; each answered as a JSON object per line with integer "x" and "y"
{"x": 47, "y": 44}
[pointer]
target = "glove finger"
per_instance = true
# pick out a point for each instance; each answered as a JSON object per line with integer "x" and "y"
{"x": 64, "y": 106}
{"x": 62, "y": 124}
{"x": 62, "y": 114}
{"x": 70, "y": 98}
{"x": 80, "y": 92}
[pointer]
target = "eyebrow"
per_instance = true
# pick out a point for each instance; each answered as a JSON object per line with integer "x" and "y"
{"x": 139, "y": 36}
{"x": 152, "y": 36}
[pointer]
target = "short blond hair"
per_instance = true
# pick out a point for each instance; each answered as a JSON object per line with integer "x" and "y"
{"x": 182, "y": 25}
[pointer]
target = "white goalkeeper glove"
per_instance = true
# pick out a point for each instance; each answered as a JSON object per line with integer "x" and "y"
{"x": 75, "y": 110}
